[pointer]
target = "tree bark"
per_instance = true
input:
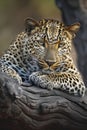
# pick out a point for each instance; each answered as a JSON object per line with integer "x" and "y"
{"x": 31, "y": 107}
{"x": 76, "y": 11}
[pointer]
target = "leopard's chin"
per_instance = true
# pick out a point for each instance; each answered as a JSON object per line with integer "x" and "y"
{"x": 47, "y": 71}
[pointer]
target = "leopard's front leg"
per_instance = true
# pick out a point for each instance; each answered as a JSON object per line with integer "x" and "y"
{"x": 65, "y": 81}
{"x": 11, "y": 72}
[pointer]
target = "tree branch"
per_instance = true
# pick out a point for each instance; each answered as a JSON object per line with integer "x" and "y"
{"x": 36, "y": 108}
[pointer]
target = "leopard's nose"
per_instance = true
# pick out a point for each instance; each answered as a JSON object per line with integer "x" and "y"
{"x": 50, "y": 62}
{"x": 50, "y": 59}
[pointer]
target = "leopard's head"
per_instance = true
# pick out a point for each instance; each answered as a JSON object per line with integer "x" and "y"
{"x": 55, "y": 37}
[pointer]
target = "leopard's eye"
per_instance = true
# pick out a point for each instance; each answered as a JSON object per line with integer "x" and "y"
{"x": 60, "y": 45}
{"x": 41, "y": 42}
{"x": 62, "y": 38}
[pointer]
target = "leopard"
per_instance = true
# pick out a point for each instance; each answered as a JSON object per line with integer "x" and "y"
{"x": 41, "y": 55}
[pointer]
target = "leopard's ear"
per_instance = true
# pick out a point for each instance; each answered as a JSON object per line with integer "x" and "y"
{"x": 73, "y": 28}
{"x": 30, "y": 24}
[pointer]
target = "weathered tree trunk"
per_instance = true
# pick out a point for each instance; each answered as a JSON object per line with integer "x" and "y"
{"x": 76, "y": 11}
{"x": 32, "y": 108}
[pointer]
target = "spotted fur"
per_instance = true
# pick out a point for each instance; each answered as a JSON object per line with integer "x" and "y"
{"x": 42, "y": 55}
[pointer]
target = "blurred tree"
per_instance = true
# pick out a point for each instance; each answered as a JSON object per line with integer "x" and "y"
{"x": 76, "y": 11}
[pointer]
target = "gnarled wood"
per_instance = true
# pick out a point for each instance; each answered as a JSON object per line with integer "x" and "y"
{"x": 34, "y": 108}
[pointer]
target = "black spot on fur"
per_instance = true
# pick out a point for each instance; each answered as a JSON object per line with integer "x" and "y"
{"x": 72, "y": 90}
